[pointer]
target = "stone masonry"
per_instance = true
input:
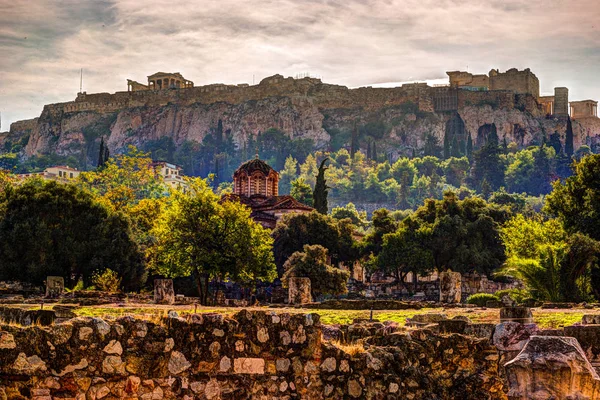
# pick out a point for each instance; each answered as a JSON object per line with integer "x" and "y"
{"x": 253, "y": 355}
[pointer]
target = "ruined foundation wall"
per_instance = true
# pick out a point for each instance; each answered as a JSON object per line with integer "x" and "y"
{"x": 251, "y": 355}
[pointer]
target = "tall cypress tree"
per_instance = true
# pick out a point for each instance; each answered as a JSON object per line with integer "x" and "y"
{"x": 569, "y": 138}
{"x": 101, "y": 153}
{"x": 369, "y": 150}
{"x": 374, "y": 151}
{"x": 455, "y": 149}
{"x": 354, "y": 141}
{"x": 320, "y": 191}
{"x": 219, "y": 136}
{"x": 469, "y": 147}
{"x": 446, "y": 145}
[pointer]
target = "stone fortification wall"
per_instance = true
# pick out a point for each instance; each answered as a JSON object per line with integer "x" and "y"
{"x": 516, "y": 81}
{"x": 325, "y": 96}
{"x": 252, "y": 355}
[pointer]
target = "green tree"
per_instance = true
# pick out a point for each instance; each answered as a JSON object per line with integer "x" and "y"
{"x": 569, "y": 138}
{"x": 312, "y": 263}
{"x": 432, "y": 146}
{"x": 383, "y": 223}
{"x": 403, "y": 252}
{"x": 488, "y": 166}
{"x": 354, "y": 141}
{"x": 103, "y": 153}
{"x": 576, "y": 202}
{"x": 287, "y": 175}
{"x": 553, "y": 265}
{"x": 47, "y": 228}
{"x": 302, "y": 192}
{"x": 469, "y": 150}
{"x": 446, "y": 145}
{"x": 320, "y": 192}
{"x": 293, "y": 231}
{"x": 200, "y": 236}
{"x": 124, "y": 180}
{"x": 463, "y": 234}
{"x": 358, "y": 218}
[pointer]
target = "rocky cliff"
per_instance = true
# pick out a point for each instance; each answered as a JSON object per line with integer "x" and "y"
{"x": 301, "y": 108}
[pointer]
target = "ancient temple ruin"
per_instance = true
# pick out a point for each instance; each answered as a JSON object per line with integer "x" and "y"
{"x": 159, "y": 81}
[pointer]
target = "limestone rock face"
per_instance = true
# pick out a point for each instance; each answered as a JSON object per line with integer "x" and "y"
{"x": 552, "y": 367}
{"x": 299, "y": 108}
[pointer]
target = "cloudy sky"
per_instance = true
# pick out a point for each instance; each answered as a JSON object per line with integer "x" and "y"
{"x": 44, "y": 43}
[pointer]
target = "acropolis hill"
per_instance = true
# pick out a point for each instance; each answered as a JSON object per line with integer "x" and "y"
{"x": 170, "y": 105}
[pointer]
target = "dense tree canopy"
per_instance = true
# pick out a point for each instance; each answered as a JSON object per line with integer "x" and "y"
{"x": 294, "y": 231}
{"x": 47, "y": 228}
{"x": 576, "y": 202}
{"x": 553, "y": 265}
{"x": 200, "y": 236}
{"x": 311, "y": 263}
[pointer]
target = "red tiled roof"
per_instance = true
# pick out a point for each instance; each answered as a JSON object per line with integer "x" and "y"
{"x": 266, "y": 203}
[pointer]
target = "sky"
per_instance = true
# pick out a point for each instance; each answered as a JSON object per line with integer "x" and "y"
{"x": 45, "y": 43}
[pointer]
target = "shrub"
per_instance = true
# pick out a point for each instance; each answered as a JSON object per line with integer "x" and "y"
{"x": 107, "y": 281}
{"x": 481, "y": 299}
{"x": 516, "y": 295}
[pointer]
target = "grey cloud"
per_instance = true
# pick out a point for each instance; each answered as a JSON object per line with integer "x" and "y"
{"x": 349, "y": 42}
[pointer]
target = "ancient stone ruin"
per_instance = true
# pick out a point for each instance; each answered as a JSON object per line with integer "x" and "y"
{"x": 268, "y": 355}
{"x": 450, "y": 287}
{"x": 55, "y": 285}
{"x": 163, "y": 291}
{"x": 299, "y": 290}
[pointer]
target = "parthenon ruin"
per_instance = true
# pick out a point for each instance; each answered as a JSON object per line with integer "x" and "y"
{"x": 159, "y": 81}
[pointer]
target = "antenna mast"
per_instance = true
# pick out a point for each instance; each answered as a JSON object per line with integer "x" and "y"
{"x": 81, "y": 81}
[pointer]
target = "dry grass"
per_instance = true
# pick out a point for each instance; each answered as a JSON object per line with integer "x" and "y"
{"x": 353, "y": 349}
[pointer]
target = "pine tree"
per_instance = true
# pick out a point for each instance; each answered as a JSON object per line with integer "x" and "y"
{"x": 320, "y": 191}
{"x": 433, "y": 182}
{"x": 354, "y": 141}
{"x": 569, "y": 139}
{"x": 404, "y": 192}
{"x": 504, "y": 145}
{"x": 369, "y": 150}
{"x": 541, "y": 172}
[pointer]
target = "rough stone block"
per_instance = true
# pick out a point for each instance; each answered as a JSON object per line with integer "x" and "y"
{"x": 516, "y": 314}
{"x": 249, "y": 366}
{"x": 551, "y": 367}
{"x": 55, "y": 285}
{"x": 588, "y": 337}
{"x": 452, "y": 326}
{"x": 163, "y": 291}
{"x": 480, "y": 330}
{"x": 450, "y": 287}
{"x": 299, "y": 290}
{"x": 512, "y": 336}
{"x": 590, "y": 319}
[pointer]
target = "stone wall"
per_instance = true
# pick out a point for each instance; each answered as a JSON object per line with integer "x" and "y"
{"x": 251, "y": 355}
{"x": 516, "y": 81}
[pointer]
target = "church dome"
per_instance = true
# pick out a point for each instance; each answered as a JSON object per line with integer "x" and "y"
{"x": 255, "y": 177}
{"x": 252, "y": 166}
